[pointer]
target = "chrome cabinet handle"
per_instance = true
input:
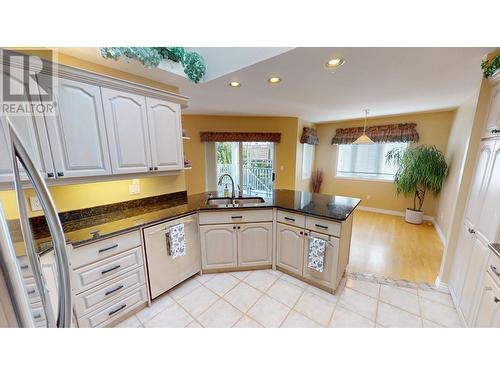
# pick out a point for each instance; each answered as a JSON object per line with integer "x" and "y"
{"x": 321, "y": 226}
{"x": 110, "y": 269}
{"x": 108, "y": 248}
{"x": 113, "y": 290}
{"x": 113, "y": 312}
{"x": 495, "y": 271}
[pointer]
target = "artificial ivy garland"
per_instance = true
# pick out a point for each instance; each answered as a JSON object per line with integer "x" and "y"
{"x": 150, "y": 57}
{"x": 490, "y": 66}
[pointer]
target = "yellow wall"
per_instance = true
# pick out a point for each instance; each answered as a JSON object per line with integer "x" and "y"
{"x": 285, "y": 150}
{"x": 433, "y": 128}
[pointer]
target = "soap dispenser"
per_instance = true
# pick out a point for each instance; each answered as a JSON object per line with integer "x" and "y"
{"x": 226, "y": 191}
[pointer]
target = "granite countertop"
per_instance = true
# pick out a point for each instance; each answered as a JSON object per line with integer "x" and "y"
{"x": 88, "y": 225}
{"x": 496, "y": 248}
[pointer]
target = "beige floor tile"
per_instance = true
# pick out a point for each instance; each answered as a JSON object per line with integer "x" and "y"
{"x": 400, "y": 298}
{"x": 439, "y": 313}
{"x": 243, "y": 296}
{"x": 365, "y": 287}
{"x": 429, "y": 324}
{"x": 240, "y": 274}
{"x": 294, "y": 280}
{"x": 246, "y": 322}
{"x": 172, "y": 317}
{"x": 285, "y": 292}
{"x": 297, "y": 320}
{"x": 220, "y": 315}
{"x": 268, "y": 312}
{"x": 343, "y": 318}
{"x": 222, "y": 283}
{"x": 437, "y": 296}
{"x": 184, "y": 288}
{"x": 276, "y": 273}
{"x": 204, "y": 278}
{"x": 198, "y": 300}
{"x": 159, "y": 304}
{"x": 194, "y": 324}
{"x": 323, "y": 294}
{"x": 261, "y": 280}
{"x": 132, "y": 322}
{"x": 315, "y": 308}
{"x": 359, "y": 303}
{"x": 392, "y": 317}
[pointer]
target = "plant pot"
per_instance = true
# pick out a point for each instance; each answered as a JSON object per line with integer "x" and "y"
{"x": 414, "y": 217}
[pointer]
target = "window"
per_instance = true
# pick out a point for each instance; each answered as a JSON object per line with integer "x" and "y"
{"x": 366, "y": 161}
{"x": 307, "y": 160}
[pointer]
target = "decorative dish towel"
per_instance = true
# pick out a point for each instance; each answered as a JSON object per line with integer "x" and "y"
{"x": 175, "y": 241}
{"x": 316, "y": 255}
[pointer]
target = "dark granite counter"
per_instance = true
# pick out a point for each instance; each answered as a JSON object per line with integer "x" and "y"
{"x": 93, "y": 224}
{"x": 496, "y": 248}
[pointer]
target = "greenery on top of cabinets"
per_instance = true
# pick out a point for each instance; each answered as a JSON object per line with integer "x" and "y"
{"x": 192, "y": 62}
{"x": 490, "y": 66}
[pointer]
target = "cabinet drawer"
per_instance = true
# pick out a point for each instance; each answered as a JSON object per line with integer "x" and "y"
{"x": 87, "y": 254}
{"x": 97, "y": 273}
{"x": 291, "y": 218}
{"x": 94, "y": 298}
{"x": 114, "y": 309}
{"x": 236, "y": 216}
{"x": 323, "y": 226}
{"x": 494, "y": 267}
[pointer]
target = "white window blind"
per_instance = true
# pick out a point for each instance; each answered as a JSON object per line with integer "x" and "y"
{"x": 366, "y": 161}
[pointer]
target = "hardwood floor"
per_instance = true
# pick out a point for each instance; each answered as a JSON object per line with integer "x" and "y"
{"x": 386, "y": 245}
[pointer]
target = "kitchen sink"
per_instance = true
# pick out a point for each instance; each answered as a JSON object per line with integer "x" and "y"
{"x": 235, "y": 201}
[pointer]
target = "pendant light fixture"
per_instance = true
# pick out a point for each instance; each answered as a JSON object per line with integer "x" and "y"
{"x": 363, "y": 138}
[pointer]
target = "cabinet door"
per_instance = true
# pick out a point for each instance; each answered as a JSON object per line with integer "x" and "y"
{"x": 290, "y": 248}
{"x": 31, "y": 130}
{"x": 165, "y": 133}
{"x": 328, "y": 277}
{"x": 77, "y": 133}
{"x": 461, "y": 260}
{"x": 127, "y": 130}
{"x": 489, "y": 222}
{"x": 493, "y": 121}
{"x": 218, "y": 246}
{"x": 476, "y": 196}
{"x": 473, "y": 279}
{"x": 488, "y": 315}
{"x": 255, "y": 244}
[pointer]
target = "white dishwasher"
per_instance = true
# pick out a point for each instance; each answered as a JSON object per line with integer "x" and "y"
{"x": 165, "y": 272}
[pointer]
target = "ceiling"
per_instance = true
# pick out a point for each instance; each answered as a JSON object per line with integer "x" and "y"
{"x": 385, "y": 80}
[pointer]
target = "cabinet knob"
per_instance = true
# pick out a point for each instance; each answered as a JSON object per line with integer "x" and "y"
{"x": 495, "y": 131}
{"x": 50, "y": 175}
{"x": 155, "y": 168}
{"x": 495, "y": 270}
{"x": 60, "y": 174}
{"x": 150, "y": 168}
{"x": 234, "y": 227}
{"x": 471, "y": 231}
{"x": 496, "y": 300}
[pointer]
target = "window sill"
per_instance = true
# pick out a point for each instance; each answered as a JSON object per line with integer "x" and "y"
{"x": 366, "y": 179}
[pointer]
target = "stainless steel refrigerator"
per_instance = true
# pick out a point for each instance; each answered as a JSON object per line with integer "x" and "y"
{"x": 35, "y": 288}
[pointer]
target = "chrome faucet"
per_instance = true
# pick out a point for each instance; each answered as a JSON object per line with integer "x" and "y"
{"x": 232, "y": 183}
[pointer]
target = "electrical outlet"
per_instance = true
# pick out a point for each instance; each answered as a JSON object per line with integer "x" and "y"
{"x": 134, "y": 189}
{"x": 35, "y": 204}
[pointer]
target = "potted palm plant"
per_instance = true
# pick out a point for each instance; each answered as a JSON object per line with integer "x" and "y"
{"x": 420, "y": 170}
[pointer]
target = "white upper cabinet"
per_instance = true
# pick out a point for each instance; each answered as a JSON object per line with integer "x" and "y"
{"x": 165, "y": 133}
{"x": 127, "y": 130}
{"x": 493, "y": 121}
{"x": 77, "y": 132}
{"x": 489, "y": 221}
{"x": 31, "y": 130}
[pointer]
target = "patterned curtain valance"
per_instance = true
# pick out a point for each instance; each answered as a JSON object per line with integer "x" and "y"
{"x": 309, "y": 136}
{"x": 379, "y": 133}
{"x": 239, "y": 137}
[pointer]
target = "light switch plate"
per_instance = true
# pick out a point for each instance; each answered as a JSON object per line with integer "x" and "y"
{"x": 134, "y": 189}
{"x": 35, "y": 204}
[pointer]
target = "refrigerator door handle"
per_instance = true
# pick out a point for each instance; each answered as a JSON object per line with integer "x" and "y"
{"x": 56, "y": 231}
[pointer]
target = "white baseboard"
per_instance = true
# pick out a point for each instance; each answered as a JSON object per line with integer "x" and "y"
{"x": 391, "y": 212}
{"x": 441, "y": 286}
{"x": 440, "y": 233}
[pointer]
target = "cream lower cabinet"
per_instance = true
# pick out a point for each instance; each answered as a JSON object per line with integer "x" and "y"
{"x": 329, "y": 276}
{"x": 290, "y": 248}
{"x": 489, "y": 306}
{"x": 218, "y": 246}
{"x": 255, "y": 244}
{"x": 461, "y": 261}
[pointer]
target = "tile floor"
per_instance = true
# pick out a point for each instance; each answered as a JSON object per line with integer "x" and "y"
{"x": 269, "y": 298}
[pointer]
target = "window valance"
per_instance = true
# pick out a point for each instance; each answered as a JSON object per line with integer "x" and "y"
{"x": 380, "y": 133}
{"x": 239, "y": 137}
{"x": 309, "y": 136}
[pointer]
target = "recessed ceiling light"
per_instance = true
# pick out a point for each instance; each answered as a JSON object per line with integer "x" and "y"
{"x": 274, "y": 80}
{"x": 234, "y": 84}
{"x": 334, "y": 63}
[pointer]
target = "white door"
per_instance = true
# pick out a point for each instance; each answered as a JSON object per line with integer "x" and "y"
{"x": 290, "y": 248}
{"x": 461, "y": 260}
{"x": 488, "y": 315}
{"x": 489, "y": 221}
{"x": 127, "y": 130}
{"x": 473, "y": 279}
{"x": 328, "y": 277}
{"x": 77, "y": 133}
{"x": 255, "y": 244}
{"x": 476, "y": 196}
{"x": 218, "y": 246}
{"x": 31, "y": 130}
{"x": 165, "y": 133}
